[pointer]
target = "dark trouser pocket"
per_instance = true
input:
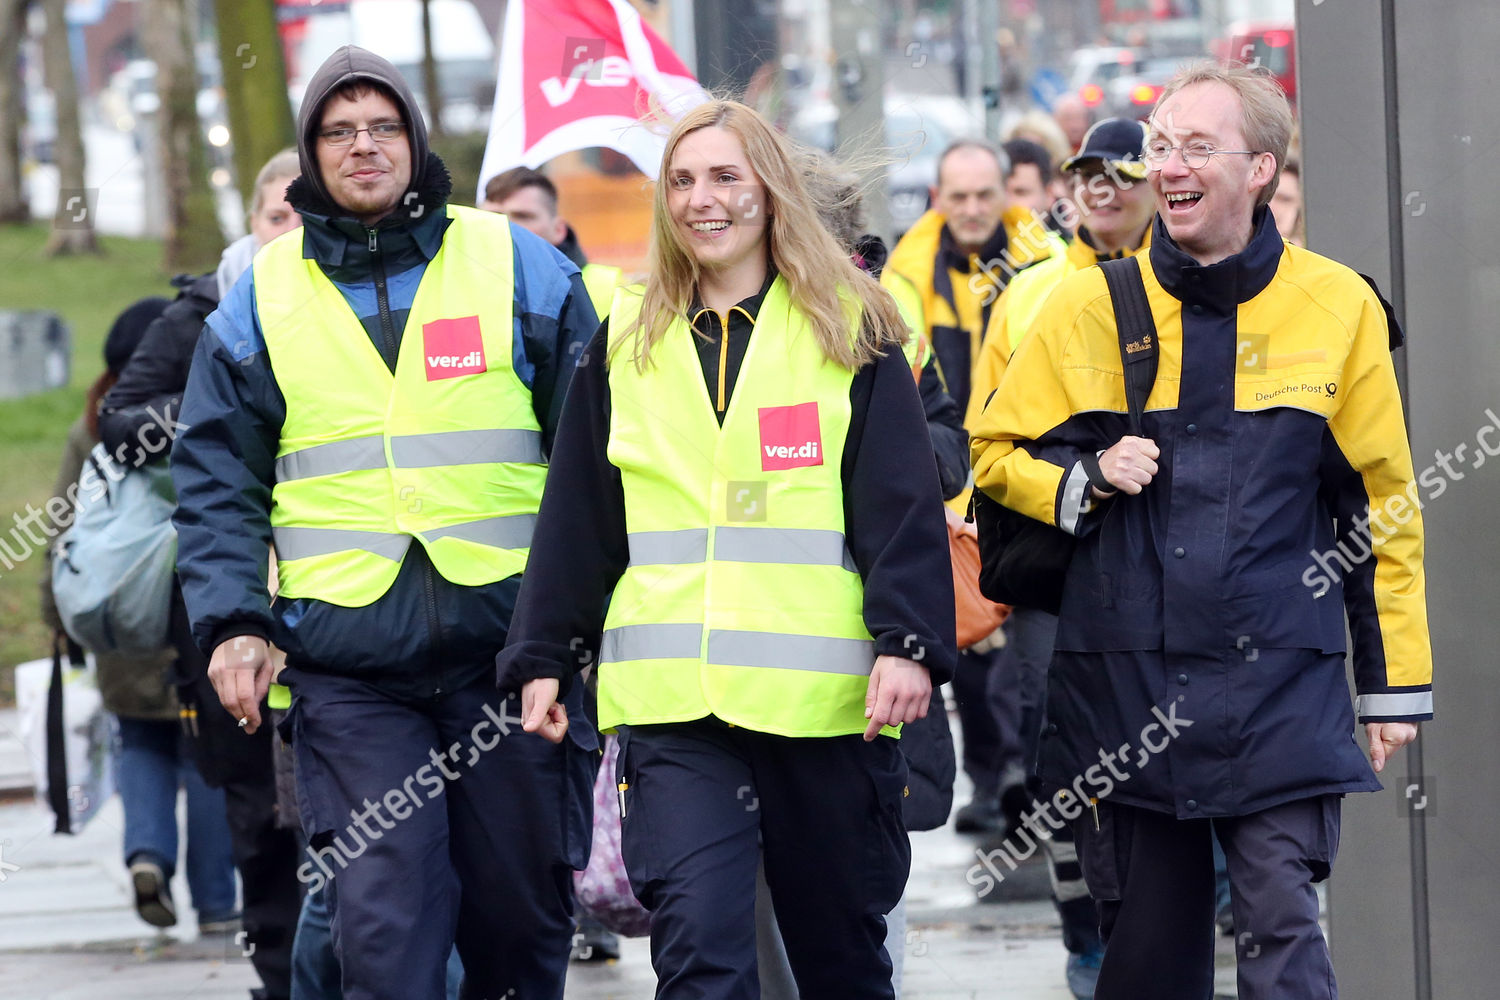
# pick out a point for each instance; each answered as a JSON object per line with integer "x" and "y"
{"x": 1103, "y": 847}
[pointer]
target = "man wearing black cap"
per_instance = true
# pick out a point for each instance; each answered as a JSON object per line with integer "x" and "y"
{"x": 1114, "y": 206}
{"x": 378, "y": 398}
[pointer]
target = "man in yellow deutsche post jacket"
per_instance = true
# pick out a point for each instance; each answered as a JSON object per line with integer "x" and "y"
{"x": 1198, "y": 686}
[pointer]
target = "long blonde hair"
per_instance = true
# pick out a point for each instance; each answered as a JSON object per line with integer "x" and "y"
{"x": 822, "y": 281}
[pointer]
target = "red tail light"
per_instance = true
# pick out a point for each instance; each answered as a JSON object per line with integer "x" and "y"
{"x": 1092, "y": 94}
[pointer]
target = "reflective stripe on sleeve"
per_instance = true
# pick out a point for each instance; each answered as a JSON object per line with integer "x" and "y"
{"x": 1387, "y": 705}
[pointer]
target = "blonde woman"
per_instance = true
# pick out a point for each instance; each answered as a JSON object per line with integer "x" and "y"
{"x": 743, "y": 528}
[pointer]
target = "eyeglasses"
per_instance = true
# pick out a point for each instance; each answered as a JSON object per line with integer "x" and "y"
{"x": 1195, "y": 155}
{"x": 380, "y": 132}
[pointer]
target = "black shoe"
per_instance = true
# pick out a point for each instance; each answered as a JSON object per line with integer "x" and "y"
{"x": 593, "y": 943}
{"x": 153, "y": 893}
{"x": 979, "y": 816}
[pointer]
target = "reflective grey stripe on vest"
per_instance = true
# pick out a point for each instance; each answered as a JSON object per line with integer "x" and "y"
{"x": 795, "y": 546}
{"x": 304, "y": 543}
{"x": 651, "y": 642}
{"x": 497, "y": 532}
{"x": 668, "y": 548}
{"x": 412, "y": 451}
{"x": 792, "y": 652}
{"x": 335, "y": 456}
{"x": 473, "y": 447}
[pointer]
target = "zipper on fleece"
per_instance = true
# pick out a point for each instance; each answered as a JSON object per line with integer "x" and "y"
{"x": 383, "y": 301}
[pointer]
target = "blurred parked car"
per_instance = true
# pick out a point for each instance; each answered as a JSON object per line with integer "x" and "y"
{"x": 1092, "y": 69}
{"x": 917, "y": 130}
{"x": 1134, "y": 95}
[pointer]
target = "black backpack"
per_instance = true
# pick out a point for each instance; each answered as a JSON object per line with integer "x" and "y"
{"x": 1024, "y": 562}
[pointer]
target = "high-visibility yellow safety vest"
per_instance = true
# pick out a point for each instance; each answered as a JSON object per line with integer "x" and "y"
{"x": 447, "y": 450}
{"x": 600, "y": 281}
{"x": 740, "y": 599}
{"x": 909, "y": 304}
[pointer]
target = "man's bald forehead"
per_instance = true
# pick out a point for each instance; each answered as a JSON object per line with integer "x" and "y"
{"x": 973, "y": 151}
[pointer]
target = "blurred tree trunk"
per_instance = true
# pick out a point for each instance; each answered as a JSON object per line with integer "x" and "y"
{"x": 260, "y": 114}
{"x": 430, "y": 75}
{"x": 73, "y": 222}
{"x": 193, "y": 240}
{"x": 13, "y": 205}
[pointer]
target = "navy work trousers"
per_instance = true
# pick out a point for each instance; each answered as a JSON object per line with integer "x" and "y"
{"x": 437, "y": 822}
{"x": 1153, "y": 878}
{"x": 825, "y": 812}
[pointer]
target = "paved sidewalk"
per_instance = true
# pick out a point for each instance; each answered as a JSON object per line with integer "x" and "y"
{"x": 68, "y": 930}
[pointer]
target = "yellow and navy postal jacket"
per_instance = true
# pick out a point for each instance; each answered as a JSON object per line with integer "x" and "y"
{"x": 957, "y": 291}
{"x": 1201, "y": 644}
{"x": 1017, "y": 308}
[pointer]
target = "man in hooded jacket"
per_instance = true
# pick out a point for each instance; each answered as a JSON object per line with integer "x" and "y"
{"x": 378, "y": 396}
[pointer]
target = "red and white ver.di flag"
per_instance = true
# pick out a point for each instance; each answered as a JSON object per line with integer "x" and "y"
{"x": 581, "y": 73}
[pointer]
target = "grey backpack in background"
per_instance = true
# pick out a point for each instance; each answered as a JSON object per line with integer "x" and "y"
{"x": 112, "y": 569}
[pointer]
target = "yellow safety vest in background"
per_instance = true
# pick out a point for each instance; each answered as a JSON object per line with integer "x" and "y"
{"x": 447, "y": 450}
{"x": 600, "y": 281}
{"x": 740, "y": 600}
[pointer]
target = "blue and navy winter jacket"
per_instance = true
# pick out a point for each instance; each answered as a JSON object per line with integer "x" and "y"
{"x": 425, "y": 635}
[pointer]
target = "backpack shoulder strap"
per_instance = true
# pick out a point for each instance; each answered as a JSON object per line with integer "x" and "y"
{"x": 1137, "y": 330}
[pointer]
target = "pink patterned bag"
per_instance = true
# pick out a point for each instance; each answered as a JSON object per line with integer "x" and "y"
{"x": 603, "y": 888}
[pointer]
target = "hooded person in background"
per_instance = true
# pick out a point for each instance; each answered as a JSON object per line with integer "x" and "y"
{"x": 139, "y": 416}
{"x": 379, "y": 395}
